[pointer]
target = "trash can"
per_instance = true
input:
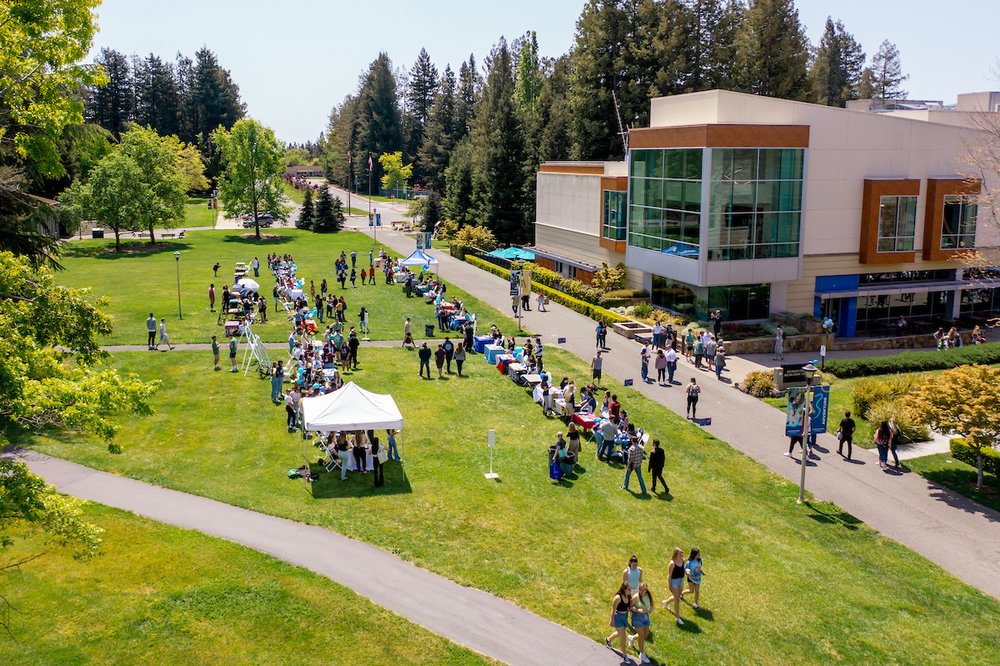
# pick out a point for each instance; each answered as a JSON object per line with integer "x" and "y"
{"x": 429, "y": 330}
{"x": 97, "y": 232}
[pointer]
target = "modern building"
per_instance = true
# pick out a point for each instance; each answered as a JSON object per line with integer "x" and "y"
{"x": 756, "y": 205}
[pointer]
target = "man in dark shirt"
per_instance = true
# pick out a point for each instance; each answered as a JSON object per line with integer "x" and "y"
{"x": 352, "y": 345}
{"x": 425, "y": 359}
{"x": 657, "y": 459}
{"x": 847, "y": 426}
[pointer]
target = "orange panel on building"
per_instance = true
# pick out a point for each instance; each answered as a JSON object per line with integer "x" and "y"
{"x": 937, "y": 189}
{"x": 871, "y": 201}
{"x": 721, "y": 136}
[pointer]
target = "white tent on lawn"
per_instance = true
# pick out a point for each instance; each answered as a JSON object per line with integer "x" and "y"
{"x": 419, "y": 258}
{"x": 351, "y": 408}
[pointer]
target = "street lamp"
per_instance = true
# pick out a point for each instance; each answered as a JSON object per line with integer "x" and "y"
{"x": 177, "y": 259}
{"x": 810, "y": 372}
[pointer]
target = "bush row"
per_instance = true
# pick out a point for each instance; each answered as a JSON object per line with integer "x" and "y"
{"x": 987, "y": 354}
{"x": 595, "y": 312}
{"x": 962, "y": 451}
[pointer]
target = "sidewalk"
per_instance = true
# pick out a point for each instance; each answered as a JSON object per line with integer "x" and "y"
{"x": 470, "y": 617}
{"x": 943, "y": 526}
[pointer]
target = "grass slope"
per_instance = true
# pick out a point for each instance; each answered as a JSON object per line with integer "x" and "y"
{"x": 140, "y": 281}
{"x": 784, "y": 584}
{"x": 158, "y": 594}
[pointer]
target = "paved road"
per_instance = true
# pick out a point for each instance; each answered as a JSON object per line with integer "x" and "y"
{"x": 943, "y": 526}
{"x": 470, "y": 617}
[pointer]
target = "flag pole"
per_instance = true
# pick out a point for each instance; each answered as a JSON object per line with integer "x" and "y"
{"x": 371, "y": 221}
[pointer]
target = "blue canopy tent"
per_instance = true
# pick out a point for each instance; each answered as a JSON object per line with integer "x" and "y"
{"x": 512, "y": 254}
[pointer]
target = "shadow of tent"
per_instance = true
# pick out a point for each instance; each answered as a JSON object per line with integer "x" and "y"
{"x": 329, "y": 485}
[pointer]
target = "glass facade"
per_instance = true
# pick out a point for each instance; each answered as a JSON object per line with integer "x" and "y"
{"x": 958, "y": 228}
{"x": 741, "y": 302}
{"x": 755, "y": 204}
{"x": 674, "y": 296}
{"x": 665, "y": 200}
{"x": 897, "y": 221}
{"x": 980, "y": 302}
{"x": 938, "y": 275}
{"x": 613, "y": 220}
{"x": 875, "y": 313}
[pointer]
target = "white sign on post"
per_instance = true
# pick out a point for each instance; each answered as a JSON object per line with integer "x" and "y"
{"x": 491, "y": 436}
{"x": 822, "y": 350}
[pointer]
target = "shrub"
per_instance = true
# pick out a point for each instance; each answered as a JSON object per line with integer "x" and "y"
{"x": 770, "y": 327}
{"x": 608, "y": 278}
{"x": 760, "y": 384}
{"x": 910, "y": 428}
{"x": 543, "y": 275}
{"x": 625, "y": 294}
{"x": 988, "y": 354}
{"x": 868, "y": 392}
{"x": 478, "y": 237}
{"x": 642, "y": 311}
{"x": 447, "y": 229}
{"x": 962, "y": 451}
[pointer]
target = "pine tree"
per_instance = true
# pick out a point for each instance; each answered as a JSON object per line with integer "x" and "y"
{"x": 212, "y": 98}
{"x": 111, "y": 105}
{"x": 837, "y": 65}
{"x": 440, "y": 137}
{"x": 340, "y": 139}
{"x": 694, "y": 45}
{"x": 458, "y": 199}
{"x": 772, "y": 51}
{"x": 379, "y": 128}
{"x": 469, "y": 89}
{"x": 423, "y": 83}
{"x": 529, "y": 75}
{"x": 157, "y": 95}
{"x": 555, "y": 120}
{"x": 307, "y": 212}
{"x": 329, "y": 216}
{"x": 432, "y": 212}
{"x": 886, "y": 73}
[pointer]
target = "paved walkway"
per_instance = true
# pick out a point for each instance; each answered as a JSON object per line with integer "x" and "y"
{"x": 943, "y": 526}
{"x": 470, "y": 617}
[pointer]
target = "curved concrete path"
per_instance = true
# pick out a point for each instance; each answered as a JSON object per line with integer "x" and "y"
{"x": 470, "y": 617}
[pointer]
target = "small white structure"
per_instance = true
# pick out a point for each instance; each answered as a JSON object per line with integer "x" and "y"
{"x": 351, "y": 408}
{"x": 419, "y": 258}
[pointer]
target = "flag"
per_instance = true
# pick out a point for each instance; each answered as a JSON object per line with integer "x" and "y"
{"x": 370, "y": 168}
{"x": 349, "y": 158}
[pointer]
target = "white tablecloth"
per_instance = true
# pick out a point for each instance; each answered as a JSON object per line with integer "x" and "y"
{"x": 352, "y": 464}
{"x": 294, "y": 293}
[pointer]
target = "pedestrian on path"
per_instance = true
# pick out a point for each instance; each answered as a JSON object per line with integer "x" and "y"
{"x": 232, "y": 354}
{"x": 425, "y": 359}
{"x": 641, "y": 606}
{"x": 596, "y": 364}
{"x": 792, "y": 441}
{"x": 602, "y": 335}
{"x": 541, "y": 302}
{"x": 211, "y": 297}
{"x": 151, "y": 332}
{"x": 692, "y": 568}
{"x": 693, "y": 392}
{"x": 644, "y": 363}
{"x": 893, "y": 439}
{"x": 779, "y": 343}
{"x": 661, "y": 367}
{"x": 675, "y": 573}
{"x": 671, "y": 356}
{"x": 620, "y": 604}
{"x": 657, "y": 460}
{"x": 634, "y": 464}
{"x": 720, "y": 361}
{"x": 459, "y": 357}
{"x": 215, "y": 352}
{"x": 164, "y": 338}
{"x": 408, "y": 335}
{"x": 882, "y": 438}
{"x": 846, "y": 434}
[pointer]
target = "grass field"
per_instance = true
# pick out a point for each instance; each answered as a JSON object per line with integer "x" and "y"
{"x": 357, "y": 211}
{"x": 198, "y": 214}
{"x": 943, "y": 469}
{"x": 296, "y": 195}
{"x": 158, "y": 594}
{"x": 139, "y": 281}
{"x": 784, "y": 583}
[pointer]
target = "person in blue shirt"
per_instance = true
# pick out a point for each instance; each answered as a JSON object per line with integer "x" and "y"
{"x": 692, "y": 569}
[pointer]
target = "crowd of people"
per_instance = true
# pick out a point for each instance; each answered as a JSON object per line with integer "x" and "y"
{"x": 633, "y": 603}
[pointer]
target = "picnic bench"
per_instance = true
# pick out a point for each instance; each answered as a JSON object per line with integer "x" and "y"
{"x": 172, "y": 234}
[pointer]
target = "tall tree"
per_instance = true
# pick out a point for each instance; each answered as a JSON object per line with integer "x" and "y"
{"x": 432, "y": 212}
{"x": 886, "y": 73}
{"x": 694, "y": 44}
{"x": 421, "y": 87}
{"x": 837, "y": 66}
{"x": 528, "y": 85}
{"x": 379, "y": 128}
{"x": 440, "y": 136}
{"x": 111, "y": 105}
{"x": 395, "y": 174}
{"x": 157, "y": 95}
{"x": 458, "y": 199}
{"x": 253, "y": 171}
{"x": 116, "y": 196}
{"x": 212, "y": 98}
{"x": 329, "y": 216}
{"x": 307, "y": 213}
{"x": 469, "y": 89}
{"x": 772, "y": 51}
{"x": 554, "y": 116}
{"x": 339, "y": 142}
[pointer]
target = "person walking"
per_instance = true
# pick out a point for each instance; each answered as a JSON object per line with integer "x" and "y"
{"x": 449, "y": 353}
{"x": 215, "y": 352}
{"x": 633, "y": 573}
{"x": 277, "y": 377}
{"x": 620, "y": 604}
{"x": 541, "y": 302}
{"x": 675, "y": 573}
{"x": 779, "y": 343}
{"x": 439, "y": 355}
{"x": 692, "y": 569}
{"x": 634, "y": 464}
{"x": 379, "y": 458}
{"x": 845, "y": 434}
{"x": 671, "y": 357}
{"x": 352, "y": 345}
{"x": 596, "y": 364}
{"x": 641, "y": 606}
{"x": 644, "y": 363}
{"x": 354, "y": 259}
{"x": 363, "y": 319}
{"x": 408, "y": 335}
{"x": 720, "y": 361}
{"x": 211, "y": 297}
{"x": 693, "y": 392}
{"x": 151, "y": 332}
{"x": 657, "y": 460}
{"x": 256, "y": 267}
{"x": 893, "y": 440}
{"x": 661, "y": 367}
{"x": 459, "y": 357}
{"x": 882, "y": 438}
{"x": 232, "y": 354}
{"x": 164, "y": 338}
{"x": 424, "y": 354}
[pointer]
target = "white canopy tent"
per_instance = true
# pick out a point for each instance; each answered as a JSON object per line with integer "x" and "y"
{"x": 419, "y": 258}
{"x": 249, "y": 285}
{"x": 351, "y": 408}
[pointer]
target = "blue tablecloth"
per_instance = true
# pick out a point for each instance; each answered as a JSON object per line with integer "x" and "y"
{"x": 491, "y": 352}
{"x": 479, "y": 343}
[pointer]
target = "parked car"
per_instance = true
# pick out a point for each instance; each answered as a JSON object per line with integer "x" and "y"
{"x": 265, "y": 220}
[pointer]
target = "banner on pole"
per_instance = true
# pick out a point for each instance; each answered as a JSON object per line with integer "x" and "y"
{"x": 515, "y": 283}
{"x": 819, "y": 411}
{"x": 525, "y": 282}
{"x": 795, "y": 413}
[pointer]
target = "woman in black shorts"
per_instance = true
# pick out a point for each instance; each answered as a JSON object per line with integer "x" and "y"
{"x": 693, "y": 391}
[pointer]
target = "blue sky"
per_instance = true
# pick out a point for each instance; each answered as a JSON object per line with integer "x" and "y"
{"x": 294, "y": 60}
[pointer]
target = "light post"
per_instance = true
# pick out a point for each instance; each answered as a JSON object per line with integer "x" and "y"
{"x": 809, "y": 371}
{"x": 177, "y": 260}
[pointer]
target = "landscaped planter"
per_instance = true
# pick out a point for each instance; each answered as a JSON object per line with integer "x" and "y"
{"x": 630, "y": 329}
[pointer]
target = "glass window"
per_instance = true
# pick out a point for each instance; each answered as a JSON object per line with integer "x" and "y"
{"x": 958, "y": 228}
{"x": 741, "y": 302}
{"x": 897, "y": 219}
{"x": 613, "y": 222}
{"x": 674, "y": 296}
{"x": 665, "y": 201}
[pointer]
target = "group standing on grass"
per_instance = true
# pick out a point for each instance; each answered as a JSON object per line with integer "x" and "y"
{"x": 632, "y": 605}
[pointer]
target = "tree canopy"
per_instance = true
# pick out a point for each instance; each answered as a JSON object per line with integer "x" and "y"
{"x": 253, "y": 171}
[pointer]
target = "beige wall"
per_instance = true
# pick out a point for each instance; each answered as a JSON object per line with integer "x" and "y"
{"x": 582, "y": 247}
{"x": 569, "y": 201}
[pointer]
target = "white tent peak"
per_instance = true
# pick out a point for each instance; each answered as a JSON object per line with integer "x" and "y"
{"x": 351, "y": 408}
{"x": 419, "y": 258}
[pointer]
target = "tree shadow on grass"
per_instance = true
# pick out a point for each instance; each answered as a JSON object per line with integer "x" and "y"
{"x": 329, "y": 485}
{"x": 842, "y": 518}
{"x": 957, "y": 488}
{"x": 129, "y": 249}
{"x": 265, "y": 239}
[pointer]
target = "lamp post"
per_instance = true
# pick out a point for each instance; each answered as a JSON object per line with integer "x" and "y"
{"x": 177, "y": 260}
{"x": 810, "y": 372}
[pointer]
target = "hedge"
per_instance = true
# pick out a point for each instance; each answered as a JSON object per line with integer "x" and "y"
{"x": 988, "y": 354}
{"x": 962, "y": 451}
{"x": 595, "y": 312}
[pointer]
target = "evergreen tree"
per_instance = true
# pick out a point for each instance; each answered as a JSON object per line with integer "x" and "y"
{"x": 529, "y": 75}
{"x": 772, "y": 51}
{"x": 695, "y": 45}
{"x": 469, "y": 88}
{"x": 329, "y": 216}
{"x": 379, "y": 128}
{"x": 340, "y": 138}
{"x": 307, "y": 212}
{"x": 212, "y": 98}
{"x": 836, "y": 67}
{"x": 440, "y": 137}
{"x": 157, "y": 95}
{"x": 111, "y": 105}
{"x": 432, "y": 212}
{"x": 554, "y": 115}
{"x": 886, "y": 73}
{"x": 423, "y": 83}
{"x": 458, "y": 200}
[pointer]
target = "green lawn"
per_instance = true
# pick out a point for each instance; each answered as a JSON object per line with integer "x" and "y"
{"x": 296, "y": 195}
{"x": 943, "y": 469}
{"x": 198, "y": 214}
{"x": 158, "y": 594}
{"x": 357, "y": 211}
{"x": 139, "y": 281}
{"x": 785, "y": 583}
